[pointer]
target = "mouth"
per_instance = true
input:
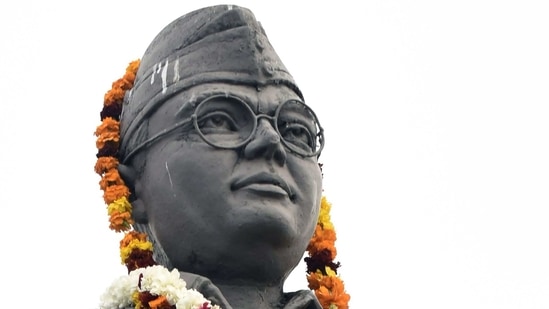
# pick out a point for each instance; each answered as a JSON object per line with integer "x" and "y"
{"x": 264, "y": 184}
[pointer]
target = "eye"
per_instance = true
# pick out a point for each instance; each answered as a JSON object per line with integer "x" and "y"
{"x": 297, "y": 134}
{"x": 217, "y": 122}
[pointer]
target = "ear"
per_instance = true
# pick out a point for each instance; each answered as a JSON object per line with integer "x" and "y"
{"x": 129, "y": 175}
{"x": 139, "y": 214}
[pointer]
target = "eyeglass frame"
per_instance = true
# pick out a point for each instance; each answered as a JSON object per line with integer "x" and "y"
{"x": 257, "y": 117}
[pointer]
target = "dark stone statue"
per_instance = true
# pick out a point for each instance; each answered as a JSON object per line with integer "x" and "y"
{"x": 220, "y": 154}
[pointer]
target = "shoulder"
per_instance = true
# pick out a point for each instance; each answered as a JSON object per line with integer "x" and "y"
{"x": 302, "y": 299}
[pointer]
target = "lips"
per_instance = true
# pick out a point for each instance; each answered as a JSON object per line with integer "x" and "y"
{"x": 270, "y": 184}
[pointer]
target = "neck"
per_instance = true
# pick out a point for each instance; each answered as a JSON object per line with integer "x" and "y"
{"x": 242, "y": 296}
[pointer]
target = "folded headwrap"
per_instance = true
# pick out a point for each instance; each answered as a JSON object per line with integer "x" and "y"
{"x": 223, "y": 44}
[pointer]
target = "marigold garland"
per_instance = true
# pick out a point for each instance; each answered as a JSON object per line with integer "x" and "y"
{"x": 116, "y": 193}
{"x": 321, "y": 269}
{"x": 136, "y": 252}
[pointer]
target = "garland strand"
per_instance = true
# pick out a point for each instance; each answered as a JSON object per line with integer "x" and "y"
{"x": 321, "y": 269}
{"x": 135, "y": 250}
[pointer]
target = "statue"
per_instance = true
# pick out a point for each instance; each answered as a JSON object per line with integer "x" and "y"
{"x": 213, "y": 158}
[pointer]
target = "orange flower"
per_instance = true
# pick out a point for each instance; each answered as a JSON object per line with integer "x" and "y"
{"x": 112, "y": 193}
{"x": 114, "y": 96}
{"x": 120, "y": 221}
{"x": 314, "y": 280}
{"x": 132, "y": 235}
{"x": 324, "y": 297}
{"x": 108, "y": 125}
{"x": 108, "y": 130}
{"x": 104, "y": 138}
{"x": 322, "y": 239}
{"x": 104, "y": 164}
{"x": 329, "y": 290}
{"x": 122, "y": 84}
{"x": 339, "y": 297}
{"x": 323, "y": 235}
{"x": 161, "y": 302}
{"x": 110, "y": 178}
{"x": 131, "y": 70}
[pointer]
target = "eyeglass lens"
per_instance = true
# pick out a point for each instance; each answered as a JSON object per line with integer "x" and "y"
{"x": 228, "y": 122}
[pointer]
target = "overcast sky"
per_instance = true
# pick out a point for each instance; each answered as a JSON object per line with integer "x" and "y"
{"x": 436, "y": 159}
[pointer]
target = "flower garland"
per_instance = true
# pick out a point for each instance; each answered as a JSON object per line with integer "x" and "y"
{"x": 321, "y": 269}
{"x": 135, "y": 250}
{"x": 152, "y": 286}
{"x": 147, "y": 285}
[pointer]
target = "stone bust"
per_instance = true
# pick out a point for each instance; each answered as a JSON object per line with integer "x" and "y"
{"x": 221, "y": 156}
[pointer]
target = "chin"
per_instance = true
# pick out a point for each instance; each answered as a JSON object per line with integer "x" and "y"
{"x": 276, "y": 233}
{"x": 274, "y": 226}
{"x": 259, "y": 262}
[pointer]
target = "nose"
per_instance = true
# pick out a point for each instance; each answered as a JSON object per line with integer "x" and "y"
{"x": 266, "y": 143}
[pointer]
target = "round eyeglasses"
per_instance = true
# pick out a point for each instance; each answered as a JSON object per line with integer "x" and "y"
{"x": 228, "y": 122}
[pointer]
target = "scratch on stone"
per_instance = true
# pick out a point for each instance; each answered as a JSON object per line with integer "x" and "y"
{"x": 164, "y": 76}
{"x": 176, "y": 71}
{"x": 152, "y": 75}
{"x": 169, "y": 177}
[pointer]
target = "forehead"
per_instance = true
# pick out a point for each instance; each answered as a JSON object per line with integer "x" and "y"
{"x": 265, "y": 99}
{"x": 181, "y": 105}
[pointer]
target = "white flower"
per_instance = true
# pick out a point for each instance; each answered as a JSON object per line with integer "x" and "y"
{"x": 191, "y": 300}
{"x": 119, "y": 294}
{"x": 157, "y": 280}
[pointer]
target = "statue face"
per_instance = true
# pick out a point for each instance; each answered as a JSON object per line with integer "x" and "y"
{"x": 228, "y": 207}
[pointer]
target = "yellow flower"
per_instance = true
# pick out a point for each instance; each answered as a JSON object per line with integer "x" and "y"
{"x": 136, "y": 301}
{"x": 130, "y": 236}
{"x": 134, "y": 244}
{"x": 120, "y": 205}
{"x": 324, "y": 216}
{"x": 330, "y": 272}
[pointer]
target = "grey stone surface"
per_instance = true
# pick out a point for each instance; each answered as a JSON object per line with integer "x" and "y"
{"x": 235, "y": 221}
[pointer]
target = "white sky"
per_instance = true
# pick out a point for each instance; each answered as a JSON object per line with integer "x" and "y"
{"x": 436, "y": 162}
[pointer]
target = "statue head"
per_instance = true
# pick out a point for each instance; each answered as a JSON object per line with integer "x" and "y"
{"x": 220, "y": 151}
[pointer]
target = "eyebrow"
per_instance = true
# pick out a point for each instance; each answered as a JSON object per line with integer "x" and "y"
{"x": 185, "y": 108}
{"x": 191, "y": 103}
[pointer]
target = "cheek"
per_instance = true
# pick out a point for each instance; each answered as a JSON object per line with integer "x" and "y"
{"x": 307, "y": 174}
{"x": 194, "y": 172}
{"x": 309, "y": 179}
{"x": 197, "y": 165}
{"x": 187, "y": 183}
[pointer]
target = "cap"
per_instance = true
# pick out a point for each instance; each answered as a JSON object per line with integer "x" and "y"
{"x": 217, "y": 44}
